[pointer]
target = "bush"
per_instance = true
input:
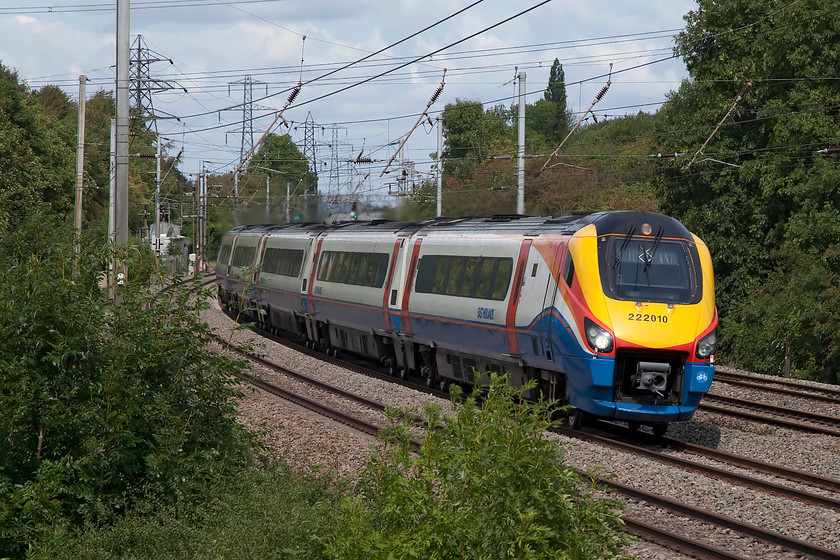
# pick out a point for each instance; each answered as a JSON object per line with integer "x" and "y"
{"x": 485, "y": 484}
{"x": 102, "y": 404}
{"x": 267, "y": 513}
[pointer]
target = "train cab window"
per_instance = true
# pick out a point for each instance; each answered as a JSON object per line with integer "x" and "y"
{"x": 646, "y": 269}
{"x": 569, "y": 269}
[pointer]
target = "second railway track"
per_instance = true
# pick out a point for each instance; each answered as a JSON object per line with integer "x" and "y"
{"x": 713, "y": 550}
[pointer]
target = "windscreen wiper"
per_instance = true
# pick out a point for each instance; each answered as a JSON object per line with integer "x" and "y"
{"x": 648, "y": 257}
{"x": 626, "y": 242}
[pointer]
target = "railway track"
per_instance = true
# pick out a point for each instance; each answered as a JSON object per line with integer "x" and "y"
{"x": 789, "y": 387}
{"x": 636, "y": 526}
{"x": 792, "y": 418}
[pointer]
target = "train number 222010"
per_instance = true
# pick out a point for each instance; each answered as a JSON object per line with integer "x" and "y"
{"x": 647, "y": 317}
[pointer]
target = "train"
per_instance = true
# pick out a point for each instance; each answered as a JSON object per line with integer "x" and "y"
{"x": 611, "y": 312}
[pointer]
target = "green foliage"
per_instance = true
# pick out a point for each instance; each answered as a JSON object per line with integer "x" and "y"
{"x": 555, "y": 93}
{"x": 541, "y": 126}
{"x": 421, "y": 205}
{"x": 267, "y": 513}
{"x": 102, "y": 403}
{"x": 485, "y": 484}
{"x": 36, "y": 162}
{"x": 472, "y": 135}
{"x": 600, "y": 168}
{"x": 798, "y": 307}
{"x": 278, "y": 154}
{"x": 776, "y": 201}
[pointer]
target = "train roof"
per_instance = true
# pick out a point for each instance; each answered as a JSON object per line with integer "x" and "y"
{"x": 618, "y": 222}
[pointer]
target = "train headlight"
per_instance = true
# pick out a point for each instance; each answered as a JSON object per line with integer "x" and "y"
{"x": 707, "y": 346}
{"x": 599, "y": 339}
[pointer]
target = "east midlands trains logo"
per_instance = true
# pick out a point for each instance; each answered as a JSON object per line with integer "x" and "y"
{"x": 487, "y": 313}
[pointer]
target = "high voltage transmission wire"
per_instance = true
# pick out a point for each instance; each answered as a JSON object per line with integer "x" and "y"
{"x": 371, "y": 78}
{"x": 662, "y": 135}
{"x": 445, "y": 57}
{"x": 394, "y": 78}
{"x": 111, "y": 6}
{"x": 349, "y": 64}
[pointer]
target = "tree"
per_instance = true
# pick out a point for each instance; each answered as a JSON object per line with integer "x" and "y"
{"x": 37, "y": 163}
{"x": 759, "y": 193}
{"x": 555, "y": 92}
{"x": 541, "y": 125}
{"x": 279, "y": 154}
{"x": 472, "y": 135}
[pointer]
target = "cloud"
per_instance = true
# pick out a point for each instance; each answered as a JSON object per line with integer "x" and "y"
{"x": 215, "y": 46}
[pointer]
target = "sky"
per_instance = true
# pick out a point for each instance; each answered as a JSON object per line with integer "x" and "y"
{"x": 211, "y": 48}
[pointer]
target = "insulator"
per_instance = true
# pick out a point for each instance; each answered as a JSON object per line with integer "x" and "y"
{"x": 602, "y": 92}
{"x": 292, "y": 95}
{"x": 364, "y": 160}
{"x": 745, "y": 89}
{"x": 436, "y": 94}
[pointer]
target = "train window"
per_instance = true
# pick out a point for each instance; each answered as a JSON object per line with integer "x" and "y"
{"x": 341, "y": 267}
{"x": 323, "y": 264}
{"x": 441, "y": 272}
{"x": 502, "y": 279}
{"x": 455, "y": 273}
{"x": 534, "y": 270}
{"x": 382, "y": 260}
{"x": 345, "y": 271}
{"x": 468, "y": 281}
{"x": 243, "y": 256}
{"x": 569, "y": 270}
{"x": 367, "y": 269}
{"x": 355, "y": 274}
{"x": 224, "y": 253}
{"x": 360, "y": 269}
{"x": 644, "y": 269}
{"x": 485, "y": 272}
{"x": 426, "y": 274}
{"x": 283, "y": 262}
{"x": 478, "y": 277}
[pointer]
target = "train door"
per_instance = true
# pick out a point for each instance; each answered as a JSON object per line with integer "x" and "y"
{"x": 394, "y": 282}
{"x": 258, "y": 293}
{"x": 515, "y": 296}
{"x": 306, "y": 292}
{"x": 553, "y": 279}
